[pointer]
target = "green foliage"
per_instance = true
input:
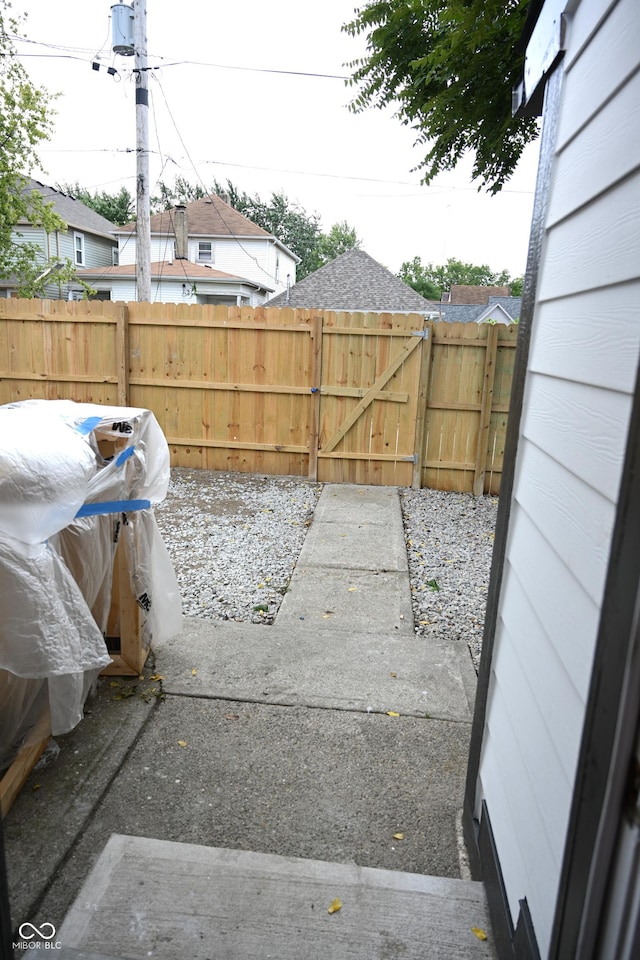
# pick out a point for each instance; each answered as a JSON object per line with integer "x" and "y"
{"x": 415, "y": 274}
{"x": 432, "y": 281}
{"x": 449, "y": 67}
{"x": 25, "y": 121}
{"x": 341, "y": 237}
{"x": 181, "y": 192}
{"x": 117, "y": 207}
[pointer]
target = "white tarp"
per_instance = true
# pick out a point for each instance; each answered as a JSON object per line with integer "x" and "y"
{"x": 74, "y": 477}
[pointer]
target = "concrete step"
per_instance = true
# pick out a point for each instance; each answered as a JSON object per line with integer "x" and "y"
{"x": 153, "y": 898}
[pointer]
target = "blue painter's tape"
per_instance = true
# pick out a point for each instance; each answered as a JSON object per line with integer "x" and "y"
{"x": 112, "y": 506}
{"x": 124, "y": 456}
{"x": 88, "y": 425}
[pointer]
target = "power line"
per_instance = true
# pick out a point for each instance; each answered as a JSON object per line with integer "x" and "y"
{"x": 74, "y": 53}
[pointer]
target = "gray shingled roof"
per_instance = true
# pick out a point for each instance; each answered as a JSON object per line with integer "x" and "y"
{"x": 74, "y": 213}
{"x": 353, "y": 281}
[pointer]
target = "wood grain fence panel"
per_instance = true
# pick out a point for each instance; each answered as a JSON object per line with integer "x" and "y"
{"x": 243, "y": 402}
{"x": 454, "y": 406}
{"x": 232, "y": 387}
{"x": 368, "y": 439}
{"x": 59, "y": 350}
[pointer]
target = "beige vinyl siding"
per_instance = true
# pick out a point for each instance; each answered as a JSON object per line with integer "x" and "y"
{"x": 582, "y": 367}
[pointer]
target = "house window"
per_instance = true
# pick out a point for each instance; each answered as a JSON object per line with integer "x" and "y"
{"x": 205, "y": 251}
{"x": 78, "y": 246}
{"x": 115, "y": 256}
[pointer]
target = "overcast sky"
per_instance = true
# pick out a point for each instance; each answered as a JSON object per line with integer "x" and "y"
{"x": 218, "y": 111}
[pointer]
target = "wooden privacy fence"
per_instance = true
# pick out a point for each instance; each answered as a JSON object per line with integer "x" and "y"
{"x": 340, "y": 397}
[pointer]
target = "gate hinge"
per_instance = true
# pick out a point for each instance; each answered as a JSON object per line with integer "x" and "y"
{"x": 420, "y": 333}
{"x": 413, "y": 459}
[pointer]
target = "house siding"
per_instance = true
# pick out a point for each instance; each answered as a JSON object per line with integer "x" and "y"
{"x": 581, "y": 371}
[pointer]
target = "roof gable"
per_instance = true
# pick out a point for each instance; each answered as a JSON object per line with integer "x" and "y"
{"x": 353, "y": 281}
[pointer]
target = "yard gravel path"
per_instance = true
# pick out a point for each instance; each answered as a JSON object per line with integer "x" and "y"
{"x": 234, "y": 540}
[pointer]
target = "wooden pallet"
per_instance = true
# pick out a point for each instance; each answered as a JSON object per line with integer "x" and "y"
{"x": 28, "y": 755}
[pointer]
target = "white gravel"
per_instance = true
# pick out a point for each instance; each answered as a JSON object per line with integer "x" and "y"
{"x": 449, "y": 545}
{"x": 234, "y": 540}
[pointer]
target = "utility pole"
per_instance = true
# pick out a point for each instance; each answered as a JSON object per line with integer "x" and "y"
{"x": 143, "y": 224}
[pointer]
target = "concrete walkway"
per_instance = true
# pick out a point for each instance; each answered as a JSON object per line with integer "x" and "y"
{"x": 283, "y": 766}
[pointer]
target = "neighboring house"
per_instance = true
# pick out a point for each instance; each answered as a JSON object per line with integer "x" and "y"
{"x": 88, "y": 240}
{"x": 354, "y": 281}
{"x": 508, "y": 310}
{"x": 469, "y": 303}
{"x": 201, "y": 252}
{"x": 552, "y": 807}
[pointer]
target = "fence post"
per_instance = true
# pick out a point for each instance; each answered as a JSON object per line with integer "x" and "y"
{"x": 485, "y": 409}
{"x": 316, "y": 381}
{"x": 122, "y": 353}
{"x": 421, "y": 411}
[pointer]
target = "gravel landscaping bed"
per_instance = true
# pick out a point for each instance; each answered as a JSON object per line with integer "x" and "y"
{"x": 234, "y": 539}
{"x": 449, "y": 545}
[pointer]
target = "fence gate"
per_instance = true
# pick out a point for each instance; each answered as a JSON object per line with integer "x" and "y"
{"x": 369, "y": 417}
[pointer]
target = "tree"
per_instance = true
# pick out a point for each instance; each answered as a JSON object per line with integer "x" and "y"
{"x": 25, "y": 121}
{"x": 417, "y": 276}
{"x": 117, "y": 207}
{"x": 341, "y": 237}
{"x": 181, "y": 192}
{"x": 432, "y": 281}
{"x": 449, "y": 67}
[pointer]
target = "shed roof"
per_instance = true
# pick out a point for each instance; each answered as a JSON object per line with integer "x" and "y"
{"x": 353, "y": 281}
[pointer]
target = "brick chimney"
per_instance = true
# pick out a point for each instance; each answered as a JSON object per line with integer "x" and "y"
{"x": 181, "y": 227}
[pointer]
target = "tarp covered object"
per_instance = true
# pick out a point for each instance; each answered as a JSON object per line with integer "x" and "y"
{"x": 73, "y": 478}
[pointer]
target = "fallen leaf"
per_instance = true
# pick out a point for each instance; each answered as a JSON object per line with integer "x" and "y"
{"x": 335, "y": 905}
{"x": 115, "y": 683}
{"x": 398, "y": 836}
{"x": 36, "y": 786}
{"x": 351, "y": 589}
{"x": 194, "y": 672}
{"x": 392, "y": 674}
{"x": 425, "y": 623}
{"x": 182, "y": 743}
{"x": 392, "y": 713}
{"x": 479, "y": 932}
{"x": 156, "y": 677}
